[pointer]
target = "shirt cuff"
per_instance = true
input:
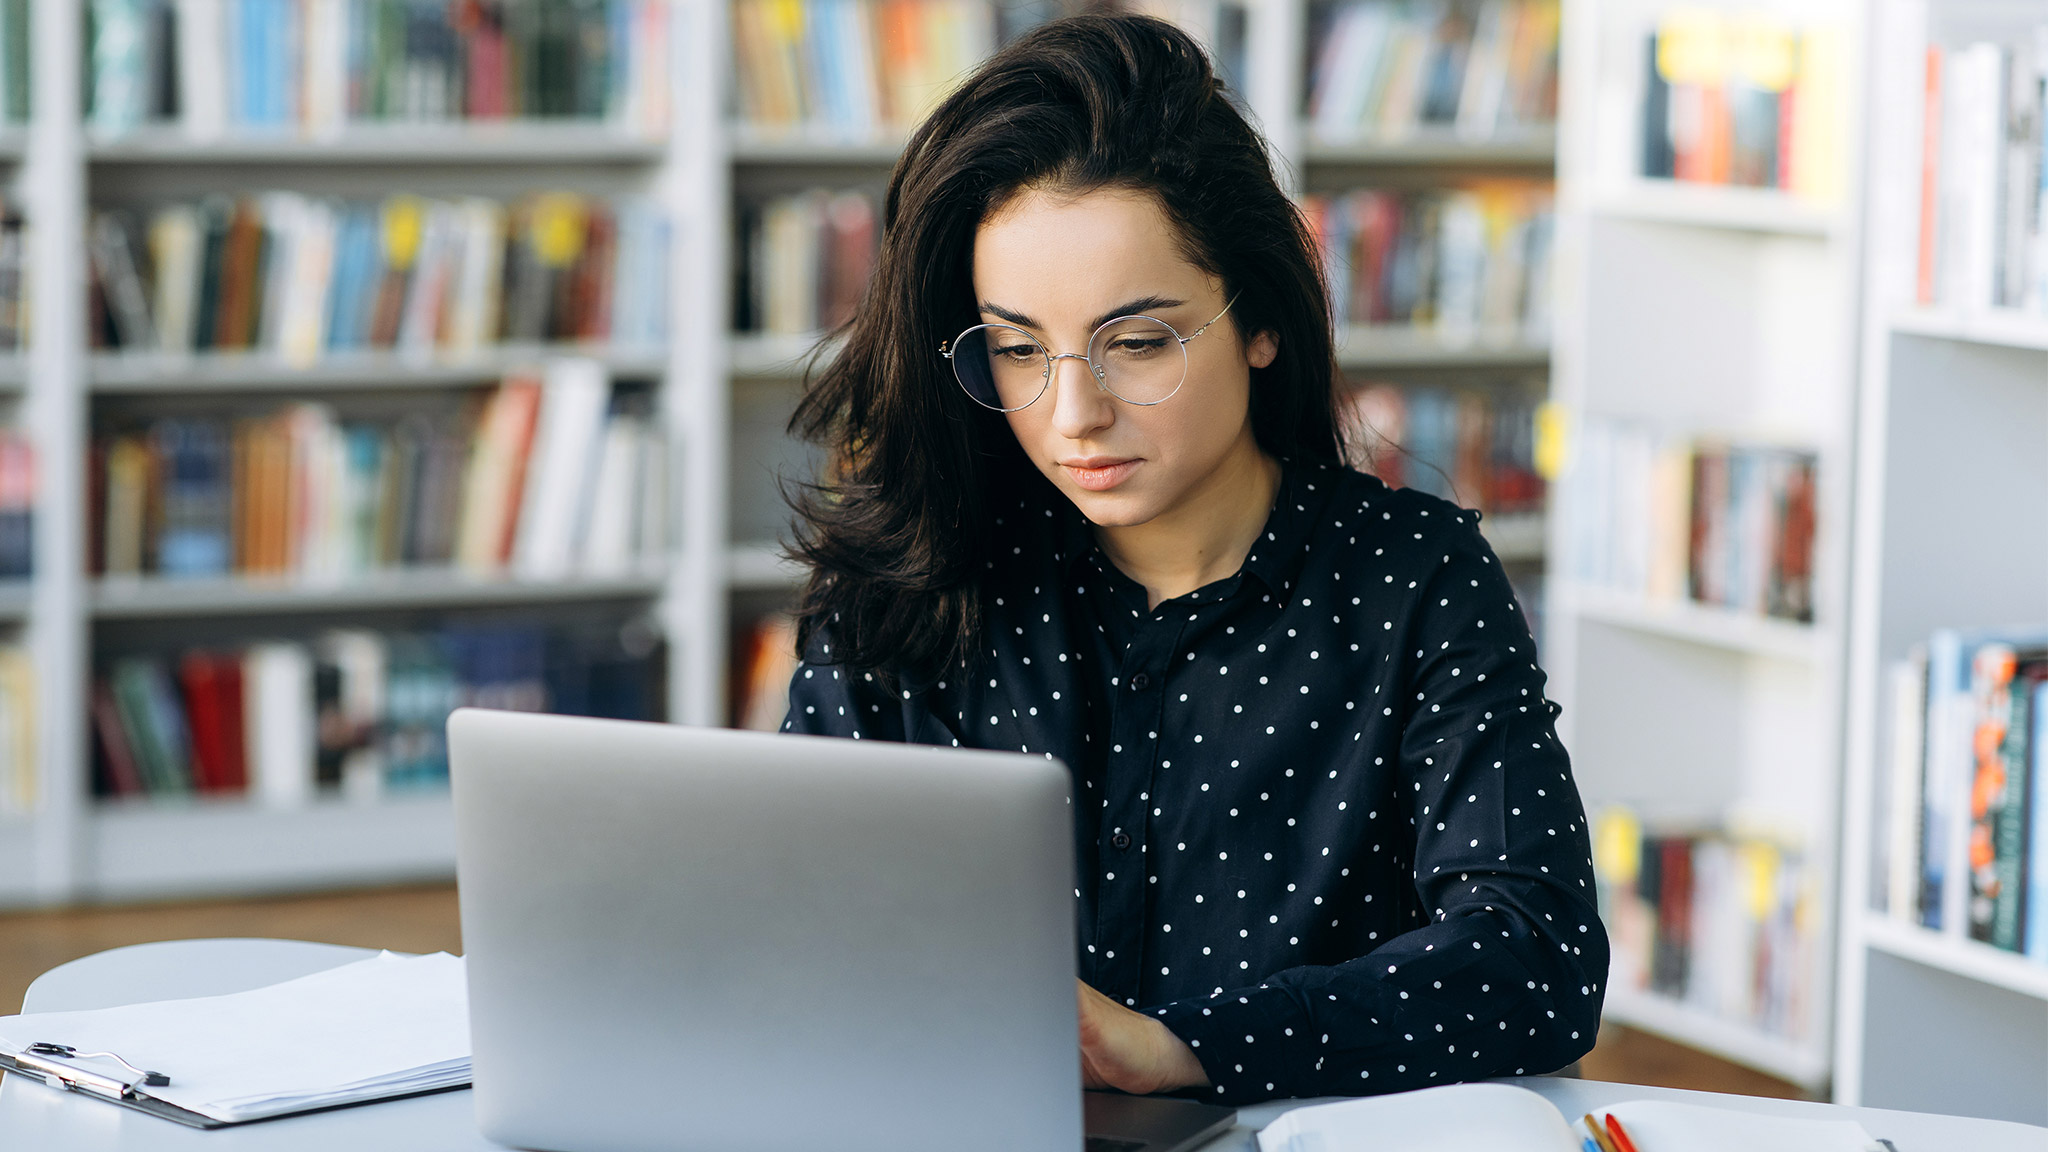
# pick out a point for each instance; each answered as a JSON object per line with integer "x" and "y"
{"x": 1252, "y": 1042}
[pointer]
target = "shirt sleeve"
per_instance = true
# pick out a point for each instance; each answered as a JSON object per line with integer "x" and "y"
{"x": 1504, "y": 977}
{"x": 830, "y": 699}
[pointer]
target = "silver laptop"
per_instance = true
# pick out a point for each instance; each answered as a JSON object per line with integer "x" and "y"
{"x": 685, "y": 938}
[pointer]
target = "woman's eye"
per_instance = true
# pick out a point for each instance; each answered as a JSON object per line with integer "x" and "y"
{"x": 1016, "y": 352}
{"x": 1137, "y": 346}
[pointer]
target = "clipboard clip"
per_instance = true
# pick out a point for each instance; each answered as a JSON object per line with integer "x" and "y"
{"x": 86, "y": 1079}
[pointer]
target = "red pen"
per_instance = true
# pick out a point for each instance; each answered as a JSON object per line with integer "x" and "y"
{"x": 1620, "y": 1135}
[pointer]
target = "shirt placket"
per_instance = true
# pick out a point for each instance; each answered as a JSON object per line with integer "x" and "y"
{"x": 1136, "y": 731}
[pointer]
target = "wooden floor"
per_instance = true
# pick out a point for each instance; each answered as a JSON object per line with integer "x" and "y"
{"x": 424, "y": 919}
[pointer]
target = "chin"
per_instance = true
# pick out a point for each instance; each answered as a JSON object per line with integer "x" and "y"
{"x": 1115, "y": 508}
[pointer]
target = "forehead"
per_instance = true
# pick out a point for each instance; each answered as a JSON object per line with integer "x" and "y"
{"x": 1050, "y": 253}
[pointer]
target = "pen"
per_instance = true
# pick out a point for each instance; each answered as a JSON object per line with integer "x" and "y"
{"x": 1600, "y": 1136}
{"x": 1588, "y": 1145}
{"x": 1621, "y": 1141}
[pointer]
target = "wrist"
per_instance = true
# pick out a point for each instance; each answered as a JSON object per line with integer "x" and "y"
{"x": 1179, "y": 1066}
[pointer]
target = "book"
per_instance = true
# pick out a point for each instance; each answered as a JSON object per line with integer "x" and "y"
{"x": 853, "y": 70}
{"x": 1744, "y": 99}
{"x": 310, "y": 493}
{"x": 351, "y": 711}
{"x": 766, "y": 660}
{"x": 1982, "y": 216}
{"x": 1714, "y": 522}
{"x": 20, "y": 775}
{"x": 425, "y": 278}
{"x": 1964, "y": 816}
{"x": 805, "y": 260}
{"x": 1714, "y": 917}
{"x": 312, "y": 68}
{"x": 1506, "y": 1118}
{"x": 1468, "y": 262}
{"x": 1475, "y": 448}
{"x": 1384, "y": 70}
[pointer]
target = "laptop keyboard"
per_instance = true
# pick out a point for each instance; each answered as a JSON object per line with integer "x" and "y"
{"x": 1112, "y": 1144}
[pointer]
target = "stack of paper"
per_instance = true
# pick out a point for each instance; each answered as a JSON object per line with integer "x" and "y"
{"x": 387, "y": 1026}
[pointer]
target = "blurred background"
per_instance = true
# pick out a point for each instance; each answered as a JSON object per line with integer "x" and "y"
{"x": 360, "y": 359}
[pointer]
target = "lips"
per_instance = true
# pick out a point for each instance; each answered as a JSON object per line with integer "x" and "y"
{"x": 1099, "y": 473}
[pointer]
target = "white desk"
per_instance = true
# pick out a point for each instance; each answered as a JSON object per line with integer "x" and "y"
{"x": 35, "y": 1117}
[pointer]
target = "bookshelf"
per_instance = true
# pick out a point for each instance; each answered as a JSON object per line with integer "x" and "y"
{"x": 1931, "y": 1019}
{"x": 59, "y": 168}
{"x": 1694, "y": 315}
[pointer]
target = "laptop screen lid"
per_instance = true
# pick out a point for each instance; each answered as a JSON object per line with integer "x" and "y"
{"x": 697, "y": 938}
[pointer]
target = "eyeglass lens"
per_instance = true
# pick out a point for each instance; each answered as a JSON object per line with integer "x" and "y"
{"x": 1139, "y": 359}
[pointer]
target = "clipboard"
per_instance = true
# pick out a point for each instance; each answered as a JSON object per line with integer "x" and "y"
{"x": 134, "y": 1093}
{"x": 44, "y": 1061}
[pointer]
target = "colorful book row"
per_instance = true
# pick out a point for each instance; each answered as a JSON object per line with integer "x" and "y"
{"x": 1475, "y": 448}
{"x": 1965, "y": 849}
{"x": 545, "y": 476}
{"x": 1746, "y": 99}
{"x": 353, "y": 711}
{"x": 1717, "y": 920}
{"x": 853, "y": 69}
{"x": 805, "y": 260}
{"x": 300, "y": 276}
{"x": 313, "y": 66}
{"x": 1983, "y": 239}
{"x": 1460, "y": 261}
{"x": 1665, "y": 518}
{"x": 1476, "y": 68}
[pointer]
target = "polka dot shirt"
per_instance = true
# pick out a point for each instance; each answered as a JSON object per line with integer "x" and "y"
{"x": 1324, "y": 828}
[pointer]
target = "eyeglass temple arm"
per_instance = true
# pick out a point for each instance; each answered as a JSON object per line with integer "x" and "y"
{"x": 1212, "y": 320}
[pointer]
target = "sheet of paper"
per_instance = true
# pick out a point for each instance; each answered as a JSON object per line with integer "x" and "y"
{"x": 1665, "y": 1126}
{"x": 1454, "y": 1118}
{"x": 355, "y": 1032}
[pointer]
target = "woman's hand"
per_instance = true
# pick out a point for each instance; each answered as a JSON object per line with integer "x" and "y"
{"x": 1132, "y": 1052}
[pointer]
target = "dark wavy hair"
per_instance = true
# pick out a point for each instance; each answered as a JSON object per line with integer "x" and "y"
{"x": 899, "y": 536}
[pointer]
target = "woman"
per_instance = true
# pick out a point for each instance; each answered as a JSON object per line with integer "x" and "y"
{"x": 1090, "y": 503}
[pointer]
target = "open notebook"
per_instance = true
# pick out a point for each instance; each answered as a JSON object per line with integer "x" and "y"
{"x": 382, "y": 1027}
{"x": 1503, "y": 1118}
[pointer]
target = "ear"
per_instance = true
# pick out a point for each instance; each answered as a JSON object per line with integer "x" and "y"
{"x": 1262, "y": 351}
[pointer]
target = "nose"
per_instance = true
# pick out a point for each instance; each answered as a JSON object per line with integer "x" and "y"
{"x": 1080, "y": 405}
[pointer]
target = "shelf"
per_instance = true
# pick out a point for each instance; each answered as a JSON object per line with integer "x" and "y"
{"x": 759, "y": 566}
{"x": 14, "y": 596}
{"x": 1806, "y": 1066}
{"x": 752, "y": 145}
{"x": 1700, "y": 624}
{"x": 1970, "y": 959}
{"x": 13, "y": 372}
{"x": 516, "y": 142}
{"x": 160, "y": 597}
{"x": 1409, "y": 346}
{"x": 1721, "y": 206}
{"x": 1529, "y": 148}
{"x": 2006, "y": 327}
{"x": 195, "y": 846}
{"x": 144, "y": 373}
{"x": 772, "y": 357}
{"x": 1515, "y": 537}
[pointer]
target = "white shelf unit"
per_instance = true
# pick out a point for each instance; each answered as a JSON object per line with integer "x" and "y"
{"x": 1953, "y": 416}
{"x": 74, "y": 848}
{"x": 1718, "y": 313}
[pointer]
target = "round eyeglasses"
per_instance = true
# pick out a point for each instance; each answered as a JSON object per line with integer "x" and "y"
{"x": 1137, "y": 359}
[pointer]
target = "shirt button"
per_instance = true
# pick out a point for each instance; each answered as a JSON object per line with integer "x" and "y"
{"x": 1140, "y": 682}
{"x": 1122, "y": 840}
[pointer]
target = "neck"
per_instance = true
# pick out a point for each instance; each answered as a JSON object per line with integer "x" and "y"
{"x": 1206, "y": 535}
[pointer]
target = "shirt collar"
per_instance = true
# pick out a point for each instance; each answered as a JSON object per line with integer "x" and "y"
{"x": 1276, "y": 558}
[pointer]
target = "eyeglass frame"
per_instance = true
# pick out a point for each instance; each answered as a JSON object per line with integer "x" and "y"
{"x": 948, "y": 347}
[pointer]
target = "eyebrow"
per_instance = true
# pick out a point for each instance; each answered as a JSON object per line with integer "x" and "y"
{"x": 1139, "y": 306}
